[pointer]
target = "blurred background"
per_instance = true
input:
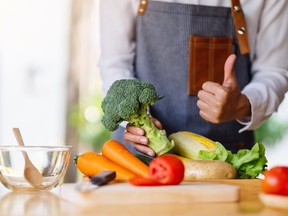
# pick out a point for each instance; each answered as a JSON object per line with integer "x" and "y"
{"x": 49, "y": 79}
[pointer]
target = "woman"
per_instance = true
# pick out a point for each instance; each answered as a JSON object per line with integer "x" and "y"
{"x": 184, "y": 48}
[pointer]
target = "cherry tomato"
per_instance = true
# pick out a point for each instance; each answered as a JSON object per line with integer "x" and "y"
{"x": 167, "y": 169}
{"x": 276, "y": 181}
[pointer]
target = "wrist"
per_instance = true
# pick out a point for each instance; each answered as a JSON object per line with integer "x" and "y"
{"x": 244, "y": 108}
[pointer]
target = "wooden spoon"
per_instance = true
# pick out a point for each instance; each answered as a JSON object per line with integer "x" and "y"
{"x": 31, "y": 173}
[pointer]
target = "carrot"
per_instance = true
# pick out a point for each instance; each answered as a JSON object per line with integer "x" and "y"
{"x": 92, "y": 163}
{"x": 118, "y": 153}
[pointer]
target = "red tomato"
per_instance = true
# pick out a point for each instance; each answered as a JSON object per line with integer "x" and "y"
{"x": 276, "y": 181}
{"x": 141, "y": 181}
{"x": 167, "y": 169}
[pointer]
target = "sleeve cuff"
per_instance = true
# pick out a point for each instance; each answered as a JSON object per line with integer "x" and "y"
{"x": 247, "y": 122}
{"x": 124, "y": 124}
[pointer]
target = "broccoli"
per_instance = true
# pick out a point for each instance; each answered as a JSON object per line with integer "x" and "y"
{"x": 128, "y": 100}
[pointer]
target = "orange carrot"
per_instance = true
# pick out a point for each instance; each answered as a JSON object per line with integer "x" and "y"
{"x": 118, "y": 153}
{"x": 92, "y": 163}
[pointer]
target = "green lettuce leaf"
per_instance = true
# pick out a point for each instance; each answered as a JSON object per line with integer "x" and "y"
{"x": 248, "y": 163}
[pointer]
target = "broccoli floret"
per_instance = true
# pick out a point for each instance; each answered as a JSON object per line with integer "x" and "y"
{"x": 128, "y": 100}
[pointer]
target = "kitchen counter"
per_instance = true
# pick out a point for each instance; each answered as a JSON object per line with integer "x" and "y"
{"x": 52, "y": 203}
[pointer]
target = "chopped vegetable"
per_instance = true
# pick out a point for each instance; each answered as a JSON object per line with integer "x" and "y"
{"x": 128, "y": 100}
{"x": 248, "y": 163}
{"x": 92, "y": 163}
{"x": 118, "y": 153}
{"x": 275, "y": 181}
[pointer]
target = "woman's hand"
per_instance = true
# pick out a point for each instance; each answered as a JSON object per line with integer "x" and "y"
{"x": 221, "y": 103}
{"x": 136, "y": 136}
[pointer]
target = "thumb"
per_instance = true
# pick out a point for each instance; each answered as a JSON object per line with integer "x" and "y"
{"x": 229, "y": 74}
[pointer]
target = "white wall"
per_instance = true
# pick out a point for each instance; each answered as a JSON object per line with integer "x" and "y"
{"x": 34, "y": 40}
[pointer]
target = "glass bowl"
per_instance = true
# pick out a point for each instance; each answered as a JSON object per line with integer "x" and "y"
{"x": 51, "y": 162}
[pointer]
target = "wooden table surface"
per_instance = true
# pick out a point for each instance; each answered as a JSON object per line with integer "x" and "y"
{"x": 50, "y": 203}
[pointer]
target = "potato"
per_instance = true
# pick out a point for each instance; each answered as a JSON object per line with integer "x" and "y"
{"x": 208, "y": 169}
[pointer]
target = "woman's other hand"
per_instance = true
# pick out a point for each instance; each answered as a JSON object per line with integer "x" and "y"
{"x": 221, "y": 103}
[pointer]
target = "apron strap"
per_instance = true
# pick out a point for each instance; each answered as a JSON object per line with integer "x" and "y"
{"x": 240, "y": 26}
{"x": 238, "y": 19}
{"x": 142, "y": 7}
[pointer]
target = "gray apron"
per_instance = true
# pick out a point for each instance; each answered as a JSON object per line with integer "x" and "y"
{"x": 162, "y": 59}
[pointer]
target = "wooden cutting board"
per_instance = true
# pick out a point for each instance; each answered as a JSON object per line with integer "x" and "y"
{"x": 124, "y": 193}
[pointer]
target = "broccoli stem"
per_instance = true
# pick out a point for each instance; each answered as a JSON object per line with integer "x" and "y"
{"x": 158, "y": 140}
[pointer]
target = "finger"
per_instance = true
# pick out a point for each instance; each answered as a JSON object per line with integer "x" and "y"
{"x": 157, "y": 123}
{"x": 205, "y": 116}
{"x": 210, "y": 87}
{"x": 209, "y": 112}
{"x": 144, "y": 149}
{"x": 230, "y": 79}
{"x": 135, "y": 130}
{"x": 133, "y": 138}
{"x": 202, "y": 105}
{"x": 206, "y": 97}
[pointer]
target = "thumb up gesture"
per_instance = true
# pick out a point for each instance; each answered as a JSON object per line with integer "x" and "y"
{"x": 221, "y": 103}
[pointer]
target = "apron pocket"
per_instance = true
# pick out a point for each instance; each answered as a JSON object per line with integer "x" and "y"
{"x": 207, "y": 56}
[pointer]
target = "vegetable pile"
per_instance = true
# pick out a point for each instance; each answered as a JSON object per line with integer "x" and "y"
{"x": 169, "y": 169}
{"x": 128, "y": 100}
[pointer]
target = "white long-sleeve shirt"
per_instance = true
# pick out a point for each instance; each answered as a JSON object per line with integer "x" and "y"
{"x": 267, "y": 27}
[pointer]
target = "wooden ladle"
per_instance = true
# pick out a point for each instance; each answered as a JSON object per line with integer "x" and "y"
{"x": 31, "y": 173}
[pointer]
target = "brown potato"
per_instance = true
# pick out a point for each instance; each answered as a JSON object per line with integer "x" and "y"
{"x": 208, "y": 169}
